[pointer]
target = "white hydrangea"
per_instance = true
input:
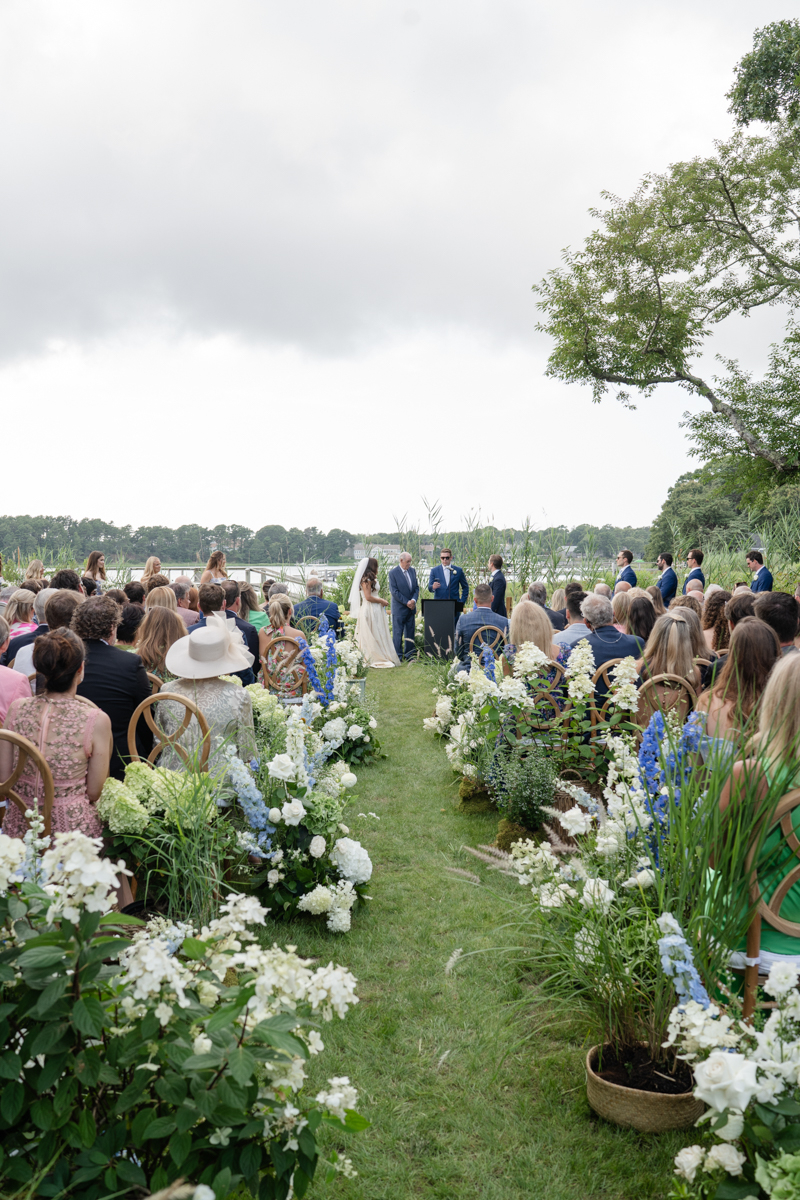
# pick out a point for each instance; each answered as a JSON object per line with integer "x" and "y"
{"x": 340, "y": 1097}
{"x": 12, "y": 856}
{"x": 149, "y": 968}
{"x": 334, "y": 730}
{"x": 317, "y": 847}
{"x": 782, "y": 980}
{"x": 530, "y": 660}
{"x": 624, "y": 678}
{"x": 580, "y": 669}
{"x": 512, "y": 690}
{"x": 317, "y": 901}
{"x": 352, "y": 860}
{"x": 575, "y": 821}
{"x": 78, "y": 878}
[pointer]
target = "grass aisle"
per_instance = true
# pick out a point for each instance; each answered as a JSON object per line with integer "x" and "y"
{"x": 450, "y": 1116}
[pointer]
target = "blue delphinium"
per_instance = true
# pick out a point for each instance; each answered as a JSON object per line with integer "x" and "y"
{"x": 311, "y": 671}
{"x": 664, "y": 765}
{"x": 678, "y": 963}
{"x": 327, "y": 637}
{"x": 252, "y": 803}
{"x": 487, "y": 662}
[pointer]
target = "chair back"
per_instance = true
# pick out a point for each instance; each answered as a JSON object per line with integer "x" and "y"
{"x": 488, "y": 635}
{"x": 547, "y": 704}
{"x": 27, "y": 750}
{"x": 163, "y": 739}
{"x": 770, "y": 911}
{"x": 281, "y": 673}
{"x": 155, "y": 683}
{"x": 306, "y": 625}
{"x": 665, "y": 693}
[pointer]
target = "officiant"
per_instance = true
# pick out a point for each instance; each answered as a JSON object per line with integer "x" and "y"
{"x": 448, "y": 582}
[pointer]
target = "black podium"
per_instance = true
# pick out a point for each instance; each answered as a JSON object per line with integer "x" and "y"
{"x": 439, "y": 619}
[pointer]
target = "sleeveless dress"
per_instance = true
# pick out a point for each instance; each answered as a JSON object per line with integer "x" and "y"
{"x": 62, "y": 730}
{"x": 372, "y": 634}
{"x": 288, "y": 675}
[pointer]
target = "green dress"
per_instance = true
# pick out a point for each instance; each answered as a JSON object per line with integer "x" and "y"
{"x": 780, "y": 863}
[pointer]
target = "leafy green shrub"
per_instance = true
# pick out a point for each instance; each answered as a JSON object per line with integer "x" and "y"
{"x": 522, "y": 780}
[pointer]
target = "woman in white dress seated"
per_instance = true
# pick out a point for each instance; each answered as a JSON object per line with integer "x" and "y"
{"x": 372, "y": 629}
{"x": 198, "y": 661}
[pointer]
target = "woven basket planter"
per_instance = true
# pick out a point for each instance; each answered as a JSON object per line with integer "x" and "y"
{"x": 649, "y": 1112}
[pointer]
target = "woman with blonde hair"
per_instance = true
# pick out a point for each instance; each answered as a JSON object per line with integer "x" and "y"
{"x": 151, "y": 567}
{"x": 669, "y": 651}
{"x": 281, "y": 662}
{"x": 215, "y": 568}
{"x": 159, "y": 630}
{"x": 161, "y": 597}
{"x": 558, "y": 600}
{"x": 96, "y": 569}
{"x": 19, "y": 613}
{"x": 530, "y": 623}
{"x": 621, "y": 606}
{"x": 249, "y": 608}
{"x": 658, "y": 600}
{"x": 34, "y": 570}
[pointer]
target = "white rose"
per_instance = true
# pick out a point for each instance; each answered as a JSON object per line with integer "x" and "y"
{"x": 597, "y": 892}
{"x": 293, "y": 812}
{"x": 725, "y": 1081}
{"x": 355, "y": 731}
{"x": 282, "y": 767}
{"x": 274, "y": 816}
{"x": 273, "y": 877}
{"x": 688, "y": 1161}
{"x": 373, "y": 724}
{"x": 349, "y": 780}
{"x": 317, "y": 847}
{"x": 642, "y": 879}
{"x": 202, "y": 1044}
{"x": 727, "y": 1157}
{"x": 575, "y": 821}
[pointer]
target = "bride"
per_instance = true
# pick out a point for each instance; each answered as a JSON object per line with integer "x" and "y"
{"x": 372, "y": 630}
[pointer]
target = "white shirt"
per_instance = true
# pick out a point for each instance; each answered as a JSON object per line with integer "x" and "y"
{"x": 408, "y": 578}
{"x": 446, "y": 571}
{"x": 24, "y": 660}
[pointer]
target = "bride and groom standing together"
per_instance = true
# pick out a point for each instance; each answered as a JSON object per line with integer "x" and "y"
{"x": 372, "y": 629}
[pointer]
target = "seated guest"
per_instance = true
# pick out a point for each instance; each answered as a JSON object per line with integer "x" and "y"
{"x": 160, "y": 628}
{"x": 473, "y": 619}
{"x": 277, "y": 589}
{"x": 135, "y": 592}
{"x": 34, "y": 585}
{"x": 558, "y": 600}
{"x": 132, "y": 617}
{"x": 118, "y": 595}
{"x": 113, "y": 680}
{"x": 151, "y": 567}
{"x": 281, "y": 661}
{"x": 561, "y": 609}
{"x": 315, "y": 605}
{"x": 762, "y": 578}
{"x": 194, "y": 599}
{"x": 694, "y": 561}
{"x": 89, "y": 586}
{"x": 13, "y": 684}
{"x": 26, "y": 639}
{"x": 537, "y": 594}
{"x": 621, "y": 607}
{"x": 249, "y": 608}
{"x": 233, "y": 604}
{"x": 667, "y": 584}
{"x": 716, "y": 631}
{"x": 641, "y": 618}
{"x": 57, "y": 613}
{"x": 212, "y": 599}
{"x": 626, "y": 572}
{"x": 622, "y": 585}
{"x": 161, "y": 597}
{"x": 669, "y": 649}
{"x": 712, "y": 587}
{"x": 6, "y": 595}
{"x": 740, "y": 682}
{"x": 529, "y": 624}
{"x": 602, "y": 589}
{"x": 155, "y": 581}
{"x": 197, "y": 662}
{"x": 658, "y": 600}
{"x": 34, "y": 570}
{"x": 779, "y": 610}
{"x": 66, "y": 580}
{"x": 180, "y": 589}
{"x": 19, "y": 613}
{"x": 576, "y": 628}
{"x": 690, "y": 600}
{"x": 605, "y": 641}
{"x": 73, "y": 735}
{"x": 695, "y": 588}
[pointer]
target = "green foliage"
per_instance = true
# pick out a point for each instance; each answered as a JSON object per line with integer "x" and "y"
{"x": 523, "y": 780}
{"x": 695, "y": 513}
{"x": 767, "y": 82}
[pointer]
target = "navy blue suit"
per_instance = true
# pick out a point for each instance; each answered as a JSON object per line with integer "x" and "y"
{"x": 403, "y": 617}
{"x": 762, "y": 581}
{"x": 467, "y": 623}
{"x": 627, "y": 575}
{"x": 607, "y": 643}
{"x": 667, "y": 585}
{"x": 315, "y": 606}
{"x": 695, "y": 574}
{"x": 250, "y": 636}
{"x": 498, "y": 586}
{"x": 458, "y": 590}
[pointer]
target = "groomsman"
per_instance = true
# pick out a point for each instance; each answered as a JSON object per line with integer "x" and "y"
{"x": 497, "y": 582}
{"x": 667, "y": 582}
{"x": 448, "y": 582}
{"x": 405, "y": 594}
{"x": 626, "y": 571}
{"x": 694, "y": 560}
{"x": 762, "y": 578}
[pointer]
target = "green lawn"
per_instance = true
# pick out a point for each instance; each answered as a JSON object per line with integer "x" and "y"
{"x": 460, "y": 1106}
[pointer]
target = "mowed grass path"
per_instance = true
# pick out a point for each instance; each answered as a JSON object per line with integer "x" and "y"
{"x": 460, "y": 1106}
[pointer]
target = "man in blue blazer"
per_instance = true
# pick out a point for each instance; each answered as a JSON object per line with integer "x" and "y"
{"x": 626, "y": 571}
{"x": 667, "y": 582}
{"x": 762, "y": 578}
{"x": 605, "y": 641}
{"x": 404, "y": 590}
{"x": 448, "y": 582}
{"x": 469, "y": 622}
{"x": 694, "y": 560}
{"x": 497, "y": 583}
{"x": 315, "y": 605}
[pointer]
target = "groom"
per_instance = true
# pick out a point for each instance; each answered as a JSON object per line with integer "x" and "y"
{"x": 405, "y": 593}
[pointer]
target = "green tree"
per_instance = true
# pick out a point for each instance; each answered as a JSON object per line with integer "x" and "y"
{"x": 695, "y": 513}
{"x": 767, "y": 83}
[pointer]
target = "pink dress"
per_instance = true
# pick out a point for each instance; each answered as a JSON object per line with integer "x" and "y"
{"x": 62, "y": 730}
{"x": 13, "y": 686}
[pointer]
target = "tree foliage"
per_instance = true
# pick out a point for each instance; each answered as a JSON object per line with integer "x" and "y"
{"x": 767, "y": 82}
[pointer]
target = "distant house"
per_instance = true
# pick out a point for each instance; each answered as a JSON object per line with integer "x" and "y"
{"x": 390, "y": 553}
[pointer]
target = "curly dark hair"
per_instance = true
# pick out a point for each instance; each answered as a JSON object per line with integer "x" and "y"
{"x": 96, "y": 618}
{"x": 67, "y": 580}
{"x": 714, "y": 618}
{"x": 156, "y": 581}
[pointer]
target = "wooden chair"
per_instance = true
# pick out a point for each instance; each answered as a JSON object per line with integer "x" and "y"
{"x": 155, "y": 683}
{"x": 285, "y": 661}
{"x": 27, "y": 750}
{"x": 162, "y": 739}
{"x": 771, "y": 912}
{"x": 495, "y": 643}
{"x": 665, "y": 693}
{"x": 602, "y": 674}
{"x": 545, "y": 702}
{"x": 307, "y": 625}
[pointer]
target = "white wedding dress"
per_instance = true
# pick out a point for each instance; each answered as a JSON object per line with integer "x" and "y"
{"x": 372, "y": 634}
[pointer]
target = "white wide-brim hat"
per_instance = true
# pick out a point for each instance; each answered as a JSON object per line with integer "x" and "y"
{"x": 217, "y": 648}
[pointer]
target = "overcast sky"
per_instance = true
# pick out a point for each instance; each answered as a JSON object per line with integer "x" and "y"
{"x": 271, "y": 262}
